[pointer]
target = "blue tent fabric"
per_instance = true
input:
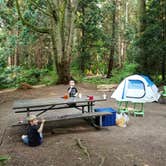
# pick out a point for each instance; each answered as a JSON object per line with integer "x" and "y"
{"x": 136, "y": 84}
{"x": 123, "y": 90}
{"x": 150, "y": 83}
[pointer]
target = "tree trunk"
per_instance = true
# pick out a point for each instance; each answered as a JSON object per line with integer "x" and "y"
{"x": 82, "y": 64}
{"x": 142, "y": 11}
{"x": 119, "y": 36}
{"x": 16, "y": 56}
{"x": 141, "y": 29}
{"x": 163, "y": 12}
{"x": 64, "y": 75}
{"x": 122, "y": 17}
{"x": 64, "y": 30}
{"x": 112, "y": 49}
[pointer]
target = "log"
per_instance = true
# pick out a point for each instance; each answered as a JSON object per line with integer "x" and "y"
{"x": 25, "y": 86}
{"x": 106, "y": 87}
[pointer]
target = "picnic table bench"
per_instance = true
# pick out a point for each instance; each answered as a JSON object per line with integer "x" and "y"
{"x": 43, "y": 105}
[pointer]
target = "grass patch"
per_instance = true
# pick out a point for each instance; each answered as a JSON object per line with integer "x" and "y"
{"x": 3, "y": 160}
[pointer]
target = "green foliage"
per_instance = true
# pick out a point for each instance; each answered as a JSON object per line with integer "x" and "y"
{"x": 118, "y": 75}
{"x": 49, "y": 78}
{"x": 151, "y": 44}
{"x": 13, "y": 76}
{"x": 3, "y": 160}
{"x": 31, "y": 76}
{"x": 145, "y": 51}
{"x": 97, "y": 80}
{"x": 91, "y": 43}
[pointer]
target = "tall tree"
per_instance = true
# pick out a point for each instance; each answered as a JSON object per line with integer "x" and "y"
{"x": 141, "y": 29}
{"x": 151, "y": 40}
{"x": 112, "y": 48}
{"x": 163, "y": 38}
{"x": 141, "y": 14}
{"x": 59, "y": 27}
{"x": 88, "y": 22}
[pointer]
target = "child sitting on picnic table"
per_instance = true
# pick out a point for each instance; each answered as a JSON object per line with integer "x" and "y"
{"x": 34, "y": 135}
{"x": 72, "y": 90}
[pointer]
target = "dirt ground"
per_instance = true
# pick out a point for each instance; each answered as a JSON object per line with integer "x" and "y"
{"x": 141, "y": 143}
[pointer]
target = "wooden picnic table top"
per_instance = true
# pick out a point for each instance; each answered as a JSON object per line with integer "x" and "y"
{"x": 43, "y": 102}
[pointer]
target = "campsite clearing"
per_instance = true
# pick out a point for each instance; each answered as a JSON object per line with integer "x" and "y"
{"x": 142, "y": 143}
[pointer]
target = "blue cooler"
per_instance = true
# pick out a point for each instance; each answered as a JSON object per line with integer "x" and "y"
{"x": 108, "y": 120}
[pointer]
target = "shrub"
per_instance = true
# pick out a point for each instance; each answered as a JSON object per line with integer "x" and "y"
{"x": 13, "y": 76}
{"x": 119, "y": 75}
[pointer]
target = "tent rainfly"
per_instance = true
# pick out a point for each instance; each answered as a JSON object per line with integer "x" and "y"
{"x": 136, "y": 88}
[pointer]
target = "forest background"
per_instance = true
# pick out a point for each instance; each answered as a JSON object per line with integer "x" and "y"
{"x": 98, "y": 41}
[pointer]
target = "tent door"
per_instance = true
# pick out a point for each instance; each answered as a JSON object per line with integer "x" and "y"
{"x": 135, "y": 89}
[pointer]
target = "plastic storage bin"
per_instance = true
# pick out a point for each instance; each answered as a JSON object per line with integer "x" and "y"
{"x": 108, "y": 120}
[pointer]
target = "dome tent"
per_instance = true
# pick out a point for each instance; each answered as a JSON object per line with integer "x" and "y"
{"x": 136, "y": 88}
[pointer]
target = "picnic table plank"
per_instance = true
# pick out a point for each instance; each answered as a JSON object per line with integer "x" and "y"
{"x": 32, "y": 103}
{"x": 35, "y": 109}
{"x": 75, "y": 116}
{"x": 69, "y": 117}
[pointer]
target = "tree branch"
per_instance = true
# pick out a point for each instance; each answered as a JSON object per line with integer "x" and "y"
{"x": 53, "y": 11}
{"x": 40, "y": 9}
{"x": 25, "y": 22}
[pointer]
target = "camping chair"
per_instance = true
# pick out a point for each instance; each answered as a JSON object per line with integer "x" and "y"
{"x": 122, "y": 107}
{"x": 130, "y": 107}
{"x": 138, "y": 109}
{"x": 164, "y": 92}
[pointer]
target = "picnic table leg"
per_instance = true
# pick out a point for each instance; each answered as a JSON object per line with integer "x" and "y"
{"x": 88, "y": 106}
{"x": 91, "y": 106}
{"x": 100, "y": 121}
{"x": 28, "y": 113}
{"x": 83, "y": 109}
{"x": 45, "y": 110}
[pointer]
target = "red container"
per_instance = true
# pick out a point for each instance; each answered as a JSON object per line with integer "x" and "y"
{"x": 90, "y": 97}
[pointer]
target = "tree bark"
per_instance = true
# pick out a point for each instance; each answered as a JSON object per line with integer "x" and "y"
{"x": 63, "y": 39}
{"x": 163, "y": 13}
{"x": 16, "y": 56}
{"x": 82, "y": 64}
{"x": 112, "y": 49}
{"x": 141, "y": 14}
{"x": 141, "y": 29}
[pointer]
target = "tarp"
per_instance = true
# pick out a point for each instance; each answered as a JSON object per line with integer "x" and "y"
{"x": 136, "y": 88}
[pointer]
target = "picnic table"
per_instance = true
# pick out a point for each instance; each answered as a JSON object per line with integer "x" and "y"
{"x": 43, "y": 105}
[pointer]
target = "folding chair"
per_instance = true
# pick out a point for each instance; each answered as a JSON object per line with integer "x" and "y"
{"x": 164, "y": 92}
{"x": 122, "y": 107}
{"x": 138, "y": 109}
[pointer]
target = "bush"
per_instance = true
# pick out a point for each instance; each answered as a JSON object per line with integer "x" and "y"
{"x": 13, "y": 76}
{"x": 119, "y": 75}
{"x": 4, "y": 159}
{"x": 49, "y": 78}
{"x": 97, "y": 80}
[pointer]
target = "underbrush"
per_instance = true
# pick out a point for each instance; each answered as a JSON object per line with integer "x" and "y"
{"x": 12, "y": 77}
{"x": 117, "y": 75}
